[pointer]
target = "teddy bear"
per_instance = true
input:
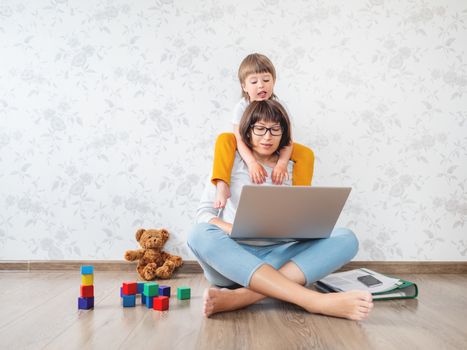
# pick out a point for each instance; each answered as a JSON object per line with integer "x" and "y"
{"x": 153, "y": 262}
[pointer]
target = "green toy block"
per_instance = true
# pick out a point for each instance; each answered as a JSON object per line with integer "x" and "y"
{"x": 151, "y": 289}
{"x": 183, "y": 293}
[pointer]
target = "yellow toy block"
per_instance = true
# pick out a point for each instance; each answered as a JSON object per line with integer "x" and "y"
{"x": 87, "y": 280}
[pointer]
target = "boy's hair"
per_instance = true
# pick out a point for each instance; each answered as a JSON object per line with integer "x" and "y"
{"x": 255, "y": 63}
{"x": 268, "y": 111}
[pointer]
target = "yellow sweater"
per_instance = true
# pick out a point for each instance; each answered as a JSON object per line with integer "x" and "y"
{"x": 224, "y": 156}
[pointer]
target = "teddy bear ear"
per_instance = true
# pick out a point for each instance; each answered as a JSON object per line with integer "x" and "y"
{"x": 139, "y": 233}
{"x": 165, "y": 232}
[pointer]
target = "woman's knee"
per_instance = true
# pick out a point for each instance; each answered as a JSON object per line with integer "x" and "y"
{"x": 349, "y": 241}
{"x": 196, "y": 235}
{"x": 201, "y": 237}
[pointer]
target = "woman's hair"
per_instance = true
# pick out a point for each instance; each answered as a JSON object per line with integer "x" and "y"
{"x": 266, "y": 111}
{"x": 255, "y": 63}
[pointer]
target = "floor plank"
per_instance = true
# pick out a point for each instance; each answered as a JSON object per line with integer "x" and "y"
{"x": 39, "y": 311}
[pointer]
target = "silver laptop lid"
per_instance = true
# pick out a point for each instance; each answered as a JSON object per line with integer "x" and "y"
{"x": 278, "y": 212}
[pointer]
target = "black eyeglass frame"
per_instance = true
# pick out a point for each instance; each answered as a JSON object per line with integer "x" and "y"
{"x": 252, "y": 127}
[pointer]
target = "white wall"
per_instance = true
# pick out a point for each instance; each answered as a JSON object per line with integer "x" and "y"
{"x": 109, "y": 110}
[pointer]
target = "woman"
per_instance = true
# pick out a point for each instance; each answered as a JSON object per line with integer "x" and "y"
{"x": 265, "y": 268}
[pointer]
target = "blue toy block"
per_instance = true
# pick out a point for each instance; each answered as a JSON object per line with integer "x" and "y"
{"x": 164, "y": 290}
{"x": 129, "y": 300}
{"x": 87, "y": 270}
{"x": 140, "y": 287}
{"x": 85, "y": 303}
{"x": 149, "y": 301}
{"x": 143, "y": 299}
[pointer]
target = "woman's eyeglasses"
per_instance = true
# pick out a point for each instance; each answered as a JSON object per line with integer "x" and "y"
{"x": 259, "y": 130}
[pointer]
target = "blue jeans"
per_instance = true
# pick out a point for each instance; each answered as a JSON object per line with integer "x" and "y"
{"x": 226, "y": 262}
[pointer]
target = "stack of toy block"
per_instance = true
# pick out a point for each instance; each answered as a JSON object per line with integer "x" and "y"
{"x": 151, "y": 290}
{"x": 86, "y": 299}
{"x": 128, "y": 293}
{"x": 161, "y": 302}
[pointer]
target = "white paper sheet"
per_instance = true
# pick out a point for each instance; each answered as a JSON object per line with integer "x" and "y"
{"x": 347, "y": 280}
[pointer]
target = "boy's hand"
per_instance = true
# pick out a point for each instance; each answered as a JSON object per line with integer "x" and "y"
{"x": 258, "y": 174}
{"x": 279, "y": 174}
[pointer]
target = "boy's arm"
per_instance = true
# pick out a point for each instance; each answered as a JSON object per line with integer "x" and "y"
{"x": 257, "y": 171}
{"x": 243, "y": 149}
{"x": 279, "y": 173}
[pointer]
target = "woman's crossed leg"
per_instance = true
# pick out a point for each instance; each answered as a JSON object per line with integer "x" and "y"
{"x": 283, "y": 274}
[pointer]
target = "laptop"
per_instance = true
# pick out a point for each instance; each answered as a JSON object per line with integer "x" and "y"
{"x": 288, "y": 212}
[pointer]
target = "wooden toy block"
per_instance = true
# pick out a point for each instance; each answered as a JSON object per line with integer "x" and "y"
{"x": 140, "y": 288}
{"x": 129, "y": 300}
{"x": 87, "y": 280}
{"x": 87, "y": 270}
{"x": 161, "y": 303}
{"x": 85, "y": 303}
{"x": 129, "y": 288}
{"x": 164, "y": 290}
{"x": 151, "y": 289}
{"x": 149, "y": 302}
{"x": 86, "y": 291}
{"x": 183, "y": 293}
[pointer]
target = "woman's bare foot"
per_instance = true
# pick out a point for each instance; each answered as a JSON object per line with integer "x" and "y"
{"x": 222, "y": 194}
{"x": 354, "y": 305}
{"x": 220, "y": 300}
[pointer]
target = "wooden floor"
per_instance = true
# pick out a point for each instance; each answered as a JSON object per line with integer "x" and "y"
{"x": 38, "y": 310}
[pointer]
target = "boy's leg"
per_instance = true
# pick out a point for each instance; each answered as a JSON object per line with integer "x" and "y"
{"x": 224, "y": 156}
{"x": 304, "y": 159}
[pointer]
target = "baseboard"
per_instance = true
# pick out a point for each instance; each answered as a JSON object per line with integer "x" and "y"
{"x": 192, "y": 266}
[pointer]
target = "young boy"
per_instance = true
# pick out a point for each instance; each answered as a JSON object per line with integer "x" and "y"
{"x": 257, "y": 77}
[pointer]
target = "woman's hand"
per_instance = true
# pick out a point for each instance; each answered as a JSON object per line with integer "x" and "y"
{"x": 257, "y": 172}
{"x": 223, "y": 225}
{"x": 279, "y": 174}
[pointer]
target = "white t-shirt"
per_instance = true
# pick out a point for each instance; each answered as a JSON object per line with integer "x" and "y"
{"x": 239, "y": 177}
{"x": 241, "y": 106}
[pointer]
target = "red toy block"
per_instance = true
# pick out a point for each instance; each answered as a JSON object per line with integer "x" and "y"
{"x": 129, "y": 288}
{"x": 161, "y": 303}
{"x": 87, "y": 291}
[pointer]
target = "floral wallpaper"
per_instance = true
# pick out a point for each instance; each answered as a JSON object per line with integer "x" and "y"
{"x": 109, "y": 111}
